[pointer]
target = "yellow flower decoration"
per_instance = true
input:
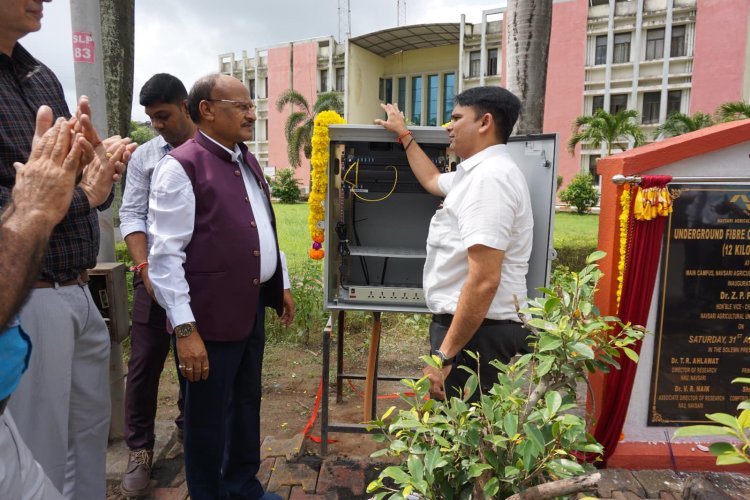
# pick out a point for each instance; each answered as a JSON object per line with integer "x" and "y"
{"x": 624, "y": 219}
{"x": 651, "y": 203}
{"x": 319, "y": 180}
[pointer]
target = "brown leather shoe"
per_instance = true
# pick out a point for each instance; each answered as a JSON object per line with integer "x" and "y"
{"x": 137, "y": 477}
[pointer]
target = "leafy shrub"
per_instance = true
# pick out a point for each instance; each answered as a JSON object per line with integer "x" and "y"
{"x": 572, "y": 254}
{"x": 729, "y": 426}
{"x": 285, "y": 187}
{"x": 522, "y": 432}
{"x": 580, "y": 193}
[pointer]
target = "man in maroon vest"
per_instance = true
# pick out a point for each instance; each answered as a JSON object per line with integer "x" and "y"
{"x": 215, "y": 265}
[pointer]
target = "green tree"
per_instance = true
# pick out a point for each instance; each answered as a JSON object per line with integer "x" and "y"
{"x": 608, "y": 129}
{"x": 285, "y": 187}
{"x": 680, "y": 123}
{"x": 735, "y": 110}
{"x": 298, "y": 128}
{"x": 580, "y": 193}
{"x": 140, "y": 132}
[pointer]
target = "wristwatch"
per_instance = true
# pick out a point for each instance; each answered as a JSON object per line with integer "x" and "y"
{"x": 444, "y": 360}
{"x": 185, "y": 329}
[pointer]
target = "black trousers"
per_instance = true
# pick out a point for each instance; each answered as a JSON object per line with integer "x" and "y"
{"x": 222, "y": 420}
{"x": 500, "y": 342}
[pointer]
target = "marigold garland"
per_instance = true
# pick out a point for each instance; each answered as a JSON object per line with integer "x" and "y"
{"x": 319, "y": 180}
{"x": 624, "y": 222}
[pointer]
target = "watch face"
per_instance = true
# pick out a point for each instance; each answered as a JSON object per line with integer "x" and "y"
{"x": 184, "y": 330}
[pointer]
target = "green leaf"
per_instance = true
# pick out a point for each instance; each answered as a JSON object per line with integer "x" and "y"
{"x": 553, "y": 400}
{"x": 549, "y": 343}
{"x": 630, "y": 353}
{"x": 730, "y": 460}
{"x": 491, "y": 488}
{"x": 415, "y": 468}
{"x": 510, "y": 424}
{"x": 724, "y": 419}
{"x": 396, "y": 474}
{"x": 570, "y": 466}
{"x": 535, "y": 435}
{"x": 475, "y": 470}
{"x": 551, "y": 304}
{"x": 388, "y": 413}
{"x": 545, "y": 366}
{"x": 741, "y": 380}
{"x": 721, "y": 448}
{"x": 744, "y": 419}
{"x": 595, "y": 256}
{"x": 583, "y": 350}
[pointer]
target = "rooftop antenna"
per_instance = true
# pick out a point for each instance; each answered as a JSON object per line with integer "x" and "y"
{"x": 400, "y": 12}
{"x": 345, "y": 21}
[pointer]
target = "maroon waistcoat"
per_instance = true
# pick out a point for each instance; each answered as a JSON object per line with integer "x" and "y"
{"x": 222, "y": 265}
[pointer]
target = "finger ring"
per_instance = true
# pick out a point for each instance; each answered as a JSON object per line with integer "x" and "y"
{"x": 181, "y": 367}
{"x": 205, "y": 368}
{"x": 189, "y": 369}
{"x": 108, "y": 155}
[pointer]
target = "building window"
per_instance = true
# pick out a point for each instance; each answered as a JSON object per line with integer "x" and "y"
{"x": 617, "y": 103}
{"x": 594, "y": 3}
{"x": 474, "y": 64}
{"x": 402, "y": 93}
{"x": 674, "y": 101}
{"x": 597, "y": 103}
{"x": 655, "y": 44}
{"x": 251, "y": 88}
{"x": 449, "y": 80}
{"x": 651, "y": 105}
{"x": 433, "y": 84}
{"x": 385, "y": 93}
{"x": 416, "y": 100}
{"x": 592, "y": 169}
{"x": 264, "y": 88}
{"x": 678, "y": 41}
{"x": 340, "y": 79}
{"x": 600, "y": 56}
{"x": 622, "y": 48}
{"x": 492, "y": 62}
{"x": 324, "y": 80}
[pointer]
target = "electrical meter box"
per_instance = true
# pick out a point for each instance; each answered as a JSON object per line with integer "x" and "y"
{"x": 378, "y": 215}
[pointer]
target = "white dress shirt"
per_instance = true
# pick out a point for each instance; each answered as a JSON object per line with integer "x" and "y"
{"x": 172, "y": 218}
{"x": 487, "y": 203}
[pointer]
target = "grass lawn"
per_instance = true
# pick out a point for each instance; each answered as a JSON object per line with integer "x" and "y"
{"x": 570, "y": 226}
{"x": 294, "y": 235}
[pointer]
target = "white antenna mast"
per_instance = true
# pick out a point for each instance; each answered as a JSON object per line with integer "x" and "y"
{"x": 400, "y": 12}
{"x": 345, "y": 21}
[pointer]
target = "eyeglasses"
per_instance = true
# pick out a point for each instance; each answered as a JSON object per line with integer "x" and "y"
{"x": 243, "y": 106}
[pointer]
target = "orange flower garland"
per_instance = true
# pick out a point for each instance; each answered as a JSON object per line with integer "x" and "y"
{"x": 624, "y": 220}
{"x": 319, "y": 180}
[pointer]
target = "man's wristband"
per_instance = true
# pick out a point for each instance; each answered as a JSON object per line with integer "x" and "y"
{"x": 137, "y": 269}
{"x": 403, "y": 136}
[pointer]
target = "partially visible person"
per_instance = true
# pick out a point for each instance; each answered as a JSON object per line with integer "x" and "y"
{"x": 39, "y": 200}
{"x": 479, "y": 242}
{"x": 164, "y": 98}
{"x": 61, "y": 406}
{"x": 215, "y": 265}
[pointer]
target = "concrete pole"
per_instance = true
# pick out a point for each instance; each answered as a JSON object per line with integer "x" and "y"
{"x": 89, "y": 76}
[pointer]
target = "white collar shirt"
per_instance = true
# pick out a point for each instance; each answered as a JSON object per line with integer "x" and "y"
{"x": 487, "y": 202}
{"x": 172, "y": 220}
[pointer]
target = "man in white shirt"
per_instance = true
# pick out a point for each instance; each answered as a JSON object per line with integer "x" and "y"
{"x": 215, "y": 265}
{"x": 164, "y": 99}
{"x": 479, "y": 242}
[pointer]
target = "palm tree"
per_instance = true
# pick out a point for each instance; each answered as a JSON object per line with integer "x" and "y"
{"x": 680, "y": 123}
{"x": 608, "y": 129}
{"x": 730, "y": 111}
{"x": 298, "y": 128}
{"x": 529, "y": 26}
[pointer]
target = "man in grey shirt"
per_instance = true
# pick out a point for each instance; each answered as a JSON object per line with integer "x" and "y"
{"x": 164, "y": 98}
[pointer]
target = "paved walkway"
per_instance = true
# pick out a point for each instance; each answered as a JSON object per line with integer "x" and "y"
{"x": 291, "y": 469}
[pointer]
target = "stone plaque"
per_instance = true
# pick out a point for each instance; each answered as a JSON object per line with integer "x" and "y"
{"x": 704, "y": 306}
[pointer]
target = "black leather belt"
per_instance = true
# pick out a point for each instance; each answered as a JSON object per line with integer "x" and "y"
{"x": 3, "y": 404}
{"x": 447, "y": 319}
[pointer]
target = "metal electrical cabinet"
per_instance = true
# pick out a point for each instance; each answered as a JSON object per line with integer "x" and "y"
{"x": 378, "y": 215}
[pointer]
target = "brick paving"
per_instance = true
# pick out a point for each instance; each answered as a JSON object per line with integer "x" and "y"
{"x": 296, "y": 474}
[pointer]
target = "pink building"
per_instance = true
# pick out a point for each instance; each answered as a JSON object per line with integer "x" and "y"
{"x": 603, "y": 54}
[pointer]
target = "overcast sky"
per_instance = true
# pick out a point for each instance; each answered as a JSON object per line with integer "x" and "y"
{"x": 185, "y": 37}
